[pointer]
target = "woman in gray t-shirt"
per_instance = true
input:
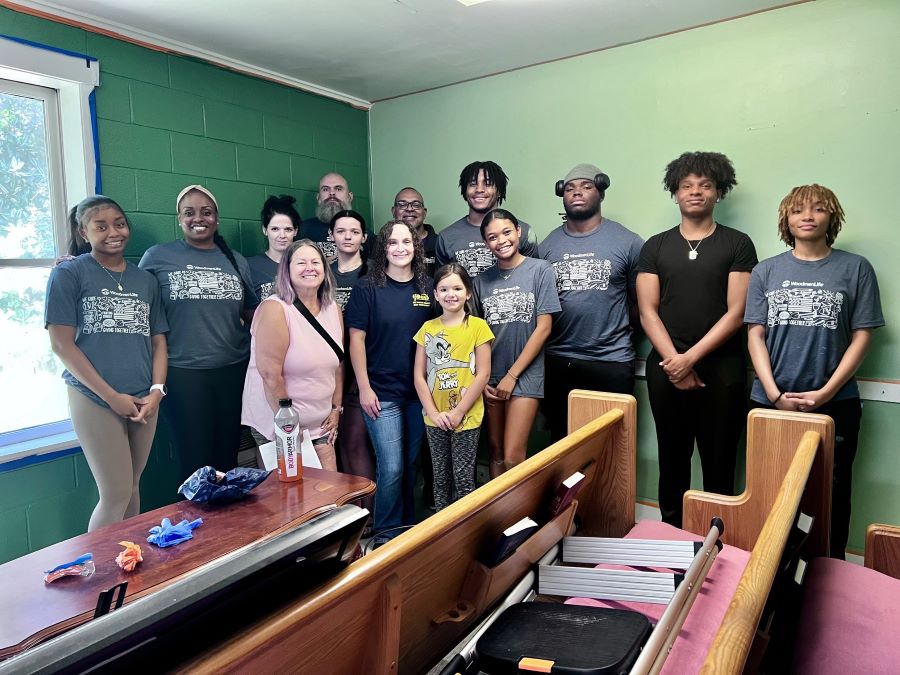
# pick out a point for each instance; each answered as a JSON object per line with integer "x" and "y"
{"x": 517, "y": 298}
{"x": 811, "y": 312}
{"x": 108, "y": 327}
{"x": 209, "y": 302}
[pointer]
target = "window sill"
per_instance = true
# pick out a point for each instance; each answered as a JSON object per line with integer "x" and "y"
{"x": 22, "y": 453}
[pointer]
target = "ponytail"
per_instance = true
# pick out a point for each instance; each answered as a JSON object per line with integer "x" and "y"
{"x": 77, "y": 216}
{"x": 223, "y": 246}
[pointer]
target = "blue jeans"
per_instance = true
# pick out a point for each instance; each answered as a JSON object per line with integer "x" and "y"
{"x": 396, "y": 436}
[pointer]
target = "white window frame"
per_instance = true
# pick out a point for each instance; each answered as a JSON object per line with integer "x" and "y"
{"x": 73, "y": 78}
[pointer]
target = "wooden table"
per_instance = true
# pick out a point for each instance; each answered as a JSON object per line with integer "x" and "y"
{"x": 34, "y": 611}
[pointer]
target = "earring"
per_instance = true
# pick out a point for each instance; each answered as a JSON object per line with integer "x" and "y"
{"x": 718, "y": 199}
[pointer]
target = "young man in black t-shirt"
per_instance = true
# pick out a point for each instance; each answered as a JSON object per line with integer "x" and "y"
{"x": 692, "y": 288}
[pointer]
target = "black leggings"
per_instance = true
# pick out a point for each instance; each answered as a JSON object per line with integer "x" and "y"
{"x": 712, "y": 416}
{"x": 203, "y": 414}
{"x": 563, "y": 374}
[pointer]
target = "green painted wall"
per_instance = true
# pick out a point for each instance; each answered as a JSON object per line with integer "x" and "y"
{"x": 165, "y": 122}
{"x": 797, "y": 95}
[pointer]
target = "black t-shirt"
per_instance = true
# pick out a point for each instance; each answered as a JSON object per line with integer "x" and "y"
{"x": 429, "y": 242}
{"x": 390, "y": 315}
{"x": 693, "y": 294}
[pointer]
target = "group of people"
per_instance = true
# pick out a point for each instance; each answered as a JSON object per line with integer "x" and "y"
{"x": 443, "y": 331}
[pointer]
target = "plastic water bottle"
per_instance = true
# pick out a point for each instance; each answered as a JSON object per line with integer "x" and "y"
{"x": 287, "y": 441}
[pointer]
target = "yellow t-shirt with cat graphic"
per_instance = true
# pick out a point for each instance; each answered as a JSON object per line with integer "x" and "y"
{"x": 450, "y": 364}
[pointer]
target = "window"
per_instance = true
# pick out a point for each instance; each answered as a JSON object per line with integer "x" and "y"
{"x": 46, "y": 162}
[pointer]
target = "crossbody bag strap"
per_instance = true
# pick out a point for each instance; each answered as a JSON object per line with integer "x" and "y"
{"x": 314, "y": 322}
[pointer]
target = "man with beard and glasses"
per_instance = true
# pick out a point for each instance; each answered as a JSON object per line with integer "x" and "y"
{"x": 409, "y": 206}
{"x": 483, "y": 186}
{"x": 595, "y": 261}
{"x": 334, "y": 195}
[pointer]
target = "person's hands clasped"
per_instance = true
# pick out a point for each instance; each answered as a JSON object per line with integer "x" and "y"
{"x": 147, "y": 406}
{"x": 689, "y": 382}
{"x": 125, "y": 405}
{"x": 677, "y": 367}
{"x": 806, "y": 401}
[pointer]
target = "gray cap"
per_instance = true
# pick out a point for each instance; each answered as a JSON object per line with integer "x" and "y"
{"x": 586, "y": 171}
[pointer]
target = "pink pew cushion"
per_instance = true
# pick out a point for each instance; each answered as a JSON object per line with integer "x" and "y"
{"x": 696, "y": 636}
{"x": 849, "y": 620}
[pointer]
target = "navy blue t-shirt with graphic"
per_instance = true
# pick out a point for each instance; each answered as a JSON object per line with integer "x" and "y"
{"x": 390, "y": 315}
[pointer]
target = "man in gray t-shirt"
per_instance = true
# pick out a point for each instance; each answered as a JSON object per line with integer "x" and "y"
{"x": 595, "y": 262}
{"x": 483, "y": 186}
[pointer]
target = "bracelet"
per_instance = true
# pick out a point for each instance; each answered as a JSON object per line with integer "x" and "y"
{"x": 515, "y": 377}
{"x": 339, "y": 409}
{"x": 777, "y": 398}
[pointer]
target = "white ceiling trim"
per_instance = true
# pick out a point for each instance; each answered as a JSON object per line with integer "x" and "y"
{"x": 89, "y": 21}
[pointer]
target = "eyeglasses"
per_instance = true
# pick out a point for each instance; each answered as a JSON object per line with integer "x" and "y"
{"x": 415, "y": 206}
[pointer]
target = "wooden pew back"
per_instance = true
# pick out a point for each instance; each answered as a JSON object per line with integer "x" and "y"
{"x": 400, "y": 608}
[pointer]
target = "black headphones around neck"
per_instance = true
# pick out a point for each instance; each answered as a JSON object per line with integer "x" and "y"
{"x": 601, "y": 182}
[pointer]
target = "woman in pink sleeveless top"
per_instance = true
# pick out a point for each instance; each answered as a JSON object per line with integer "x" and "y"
{"x": 289, "y": 358}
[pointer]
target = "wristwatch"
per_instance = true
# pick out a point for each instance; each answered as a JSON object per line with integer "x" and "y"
{"x": 161, "y": 388}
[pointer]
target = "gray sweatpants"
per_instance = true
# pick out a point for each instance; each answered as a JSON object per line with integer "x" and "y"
{"x": 453, "y": 459}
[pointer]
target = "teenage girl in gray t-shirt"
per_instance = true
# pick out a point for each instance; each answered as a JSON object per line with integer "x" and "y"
{"x": 517, "y": 298}
{"x": 108, "y": 327}
{"x": 811, "y": 312}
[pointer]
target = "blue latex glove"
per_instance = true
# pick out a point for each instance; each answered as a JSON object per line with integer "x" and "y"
{"x": 167, "y": 534}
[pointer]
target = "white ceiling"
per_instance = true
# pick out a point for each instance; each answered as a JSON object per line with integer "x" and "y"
{"x": 368, "y": 50}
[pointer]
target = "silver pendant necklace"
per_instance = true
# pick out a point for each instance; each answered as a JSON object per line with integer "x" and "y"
{"x": 106, "y": 269}
{"x": 692, "y": 254}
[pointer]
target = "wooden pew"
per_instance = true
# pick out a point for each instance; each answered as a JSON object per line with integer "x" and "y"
{"x": 402, "y": 607}
{"x": 789, "y": 462}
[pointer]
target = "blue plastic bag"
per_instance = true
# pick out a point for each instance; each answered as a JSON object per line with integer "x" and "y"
{"x": 204, "y": 485}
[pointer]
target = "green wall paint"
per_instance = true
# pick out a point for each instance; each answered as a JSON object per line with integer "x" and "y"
{"x": 164, "y": 122}
{"x": 796, "y": 95}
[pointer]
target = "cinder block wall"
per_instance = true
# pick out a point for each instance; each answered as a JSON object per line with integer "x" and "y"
{"x": 164, "y": 122}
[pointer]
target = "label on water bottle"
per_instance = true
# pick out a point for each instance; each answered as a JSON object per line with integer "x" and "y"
{"x": 290, "y": 452}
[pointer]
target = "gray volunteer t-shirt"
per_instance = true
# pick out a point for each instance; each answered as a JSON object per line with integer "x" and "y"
{"x": 810, "y": 310}
{"x": 203, "y": 299}
{"x": 461, "y": 242}
{"x": 112, "y": 327}
{"x": 511, "y": 307}
{"x": 594, "y": 272}
{"x": 262, "y": 272}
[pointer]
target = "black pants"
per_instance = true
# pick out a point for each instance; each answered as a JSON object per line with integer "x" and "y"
{"x": 847, "y": 415}
{"x": 713, "y": 417}
{"x": 563, "y": 374}
{"x": 203, "y": 414}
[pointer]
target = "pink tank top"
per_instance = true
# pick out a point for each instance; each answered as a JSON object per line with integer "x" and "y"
{"x": 309, "y": 372}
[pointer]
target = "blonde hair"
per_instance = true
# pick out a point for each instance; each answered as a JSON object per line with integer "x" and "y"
{"x": 810, "y": 194}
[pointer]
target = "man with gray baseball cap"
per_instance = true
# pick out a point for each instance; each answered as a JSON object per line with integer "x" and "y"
{"x": 595, "y": 260}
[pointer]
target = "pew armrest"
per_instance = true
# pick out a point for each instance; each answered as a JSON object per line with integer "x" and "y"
{"x": 883, "y": 549}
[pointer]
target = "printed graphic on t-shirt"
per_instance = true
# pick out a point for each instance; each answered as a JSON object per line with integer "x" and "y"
{"x": 329, "y": 249}
{"x": 441, "y": 367}
{"x": 342, "y": 296}
{"x": 476, "y": 259}
{"x": 204, "y": 283}
{"x": 508, "y": 305}
{"x": 113, "y": 312}
{"x": 804, "y": 304}
{"x": 265, "y": 290}
{"x": 582, "y": 272}
{"x": 421, "y": 300}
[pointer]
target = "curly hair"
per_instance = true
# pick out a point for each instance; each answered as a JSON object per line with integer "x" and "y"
{"x": 810, "y": 194}
{"x": 493, "y": 175}
{"x": 378, "y": 262}
{"x": 712, "y": 165}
